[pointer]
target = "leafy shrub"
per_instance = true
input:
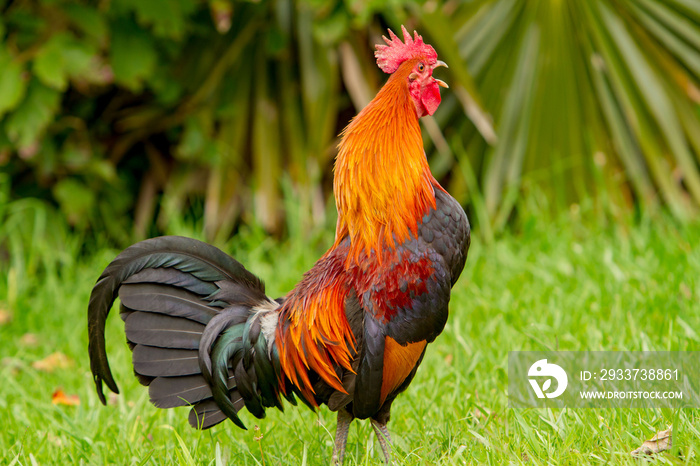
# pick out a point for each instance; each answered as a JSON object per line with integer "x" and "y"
{"x": 127, "y": 115}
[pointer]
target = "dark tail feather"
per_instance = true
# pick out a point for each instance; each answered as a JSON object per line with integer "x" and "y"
{"x": 203, "y": 264}
{"x": 166, "y": 299}
{"x": 174, "y": 278}
{"x": 207, "y": 413}
{"x": 169, "y": 392}
{"x": 165, "y": 362}
{"x": 150, "y": 329}
{"x": 194, "y": 319}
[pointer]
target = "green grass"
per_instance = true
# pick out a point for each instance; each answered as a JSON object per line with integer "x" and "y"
{"x": 558, "y": 285}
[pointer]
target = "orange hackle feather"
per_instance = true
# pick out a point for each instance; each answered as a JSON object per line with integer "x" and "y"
{"x": 316, "y": 335}
{"x": 383, "y": 184}
{"x": 383, "y": 187}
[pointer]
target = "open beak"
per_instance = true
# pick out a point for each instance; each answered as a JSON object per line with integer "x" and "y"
{"x": 440, "y": 82}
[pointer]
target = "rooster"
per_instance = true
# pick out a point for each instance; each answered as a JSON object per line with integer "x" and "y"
{"x": 353, "y": 331}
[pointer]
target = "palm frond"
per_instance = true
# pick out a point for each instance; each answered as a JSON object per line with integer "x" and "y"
{"x": 586, "y": 97}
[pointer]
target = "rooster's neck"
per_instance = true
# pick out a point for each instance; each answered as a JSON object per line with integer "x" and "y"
{"x": 383, "y": 186}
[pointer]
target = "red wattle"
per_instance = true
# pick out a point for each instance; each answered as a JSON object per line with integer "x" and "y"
{"x": 430, "y": 97}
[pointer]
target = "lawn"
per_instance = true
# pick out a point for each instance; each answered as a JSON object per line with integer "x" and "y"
{"x": 550, "y": 285}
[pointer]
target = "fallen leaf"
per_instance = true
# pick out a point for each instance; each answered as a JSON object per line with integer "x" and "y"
{"x": 479, "y": 414}
{"x": 60, "y": 398}
{"x": 58, "y": 441}
{"x": 29, "y": 339}
{"x": 5, "y": 316}
{"x": 13, "y": 364}
{"x": 112, "y": 399}
{"x": 660, "y": 442}
{"x": 52, "y": 362}
{"x": 685, "y": 291}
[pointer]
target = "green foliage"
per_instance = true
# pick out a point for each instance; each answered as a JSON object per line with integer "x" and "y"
{"x": 231, "y": 110}
{"x": 590, "y": 100}
{"x": 25, "y": 125}
{"x": 12, "y": 86}
{"x": 153, "y": 100}
{"x": 130, "y": 69}
{"x": 62, "y": 57}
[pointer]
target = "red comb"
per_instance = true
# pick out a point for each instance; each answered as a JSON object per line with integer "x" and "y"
{"x": 390, "y": 56}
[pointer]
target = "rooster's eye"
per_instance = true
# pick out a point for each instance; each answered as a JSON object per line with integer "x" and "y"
{"x": 421, "y": 67}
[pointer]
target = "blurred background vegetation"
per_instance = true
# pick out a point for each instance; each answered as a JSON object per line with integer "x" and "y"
{"x": 219, "y": 119}
{"x": 120, "y": 117}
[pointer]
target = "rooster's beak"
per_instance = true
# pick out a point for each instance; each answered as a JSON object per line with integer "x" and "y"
{"x": 440, "y": 82}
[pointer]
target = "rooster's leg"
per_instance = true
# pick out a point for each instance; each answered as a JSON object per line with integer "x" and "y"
{"x": 384, "y": 439}
{"x": 341, "y": 436}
